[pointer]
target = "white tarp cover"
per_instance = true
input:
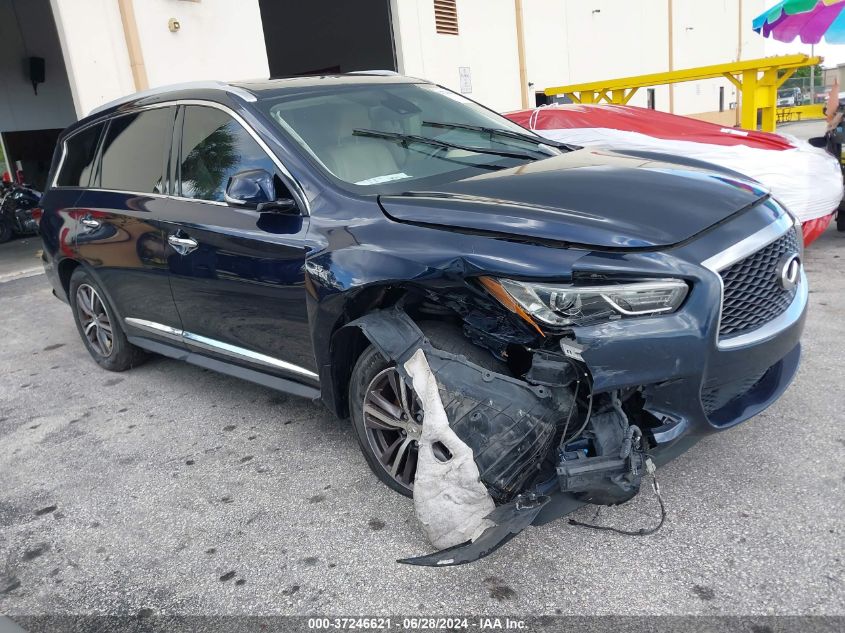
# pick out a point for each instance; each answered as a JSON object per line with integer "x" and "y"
{"x": 805, "y": 179}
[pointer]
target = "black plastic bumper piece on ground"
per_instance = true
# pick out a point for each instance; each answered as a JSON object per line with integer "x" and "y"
{"x": 510, "y": 519}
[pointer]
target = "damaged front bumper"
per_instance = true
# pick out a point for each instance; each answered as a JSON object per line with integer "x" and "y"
{"x": 689, "y": 386}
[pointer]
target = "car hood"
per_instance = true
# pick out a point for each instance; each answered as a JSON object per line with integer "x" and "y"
{"x": 590, "y": 197}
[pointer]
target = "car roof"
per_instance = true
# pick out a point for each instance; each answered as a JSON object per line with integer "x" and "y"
{"x": 252, "y": 90}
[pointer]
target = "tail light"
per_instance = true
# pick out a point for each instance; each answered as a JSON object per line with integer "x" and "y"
{"x": 37, "y": 212}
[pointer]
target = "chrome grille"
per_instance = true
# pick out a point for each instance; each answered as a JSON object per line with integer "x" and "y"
{"x": 753, "y": 296}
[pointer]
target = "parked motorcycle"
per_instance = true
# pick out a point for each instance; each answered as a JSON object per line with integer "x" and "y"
{"x": 16, "y": 210}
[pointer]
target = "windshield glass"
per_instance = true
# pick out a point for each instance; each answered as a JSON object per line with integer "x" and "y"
{"x": 385, "y": 138}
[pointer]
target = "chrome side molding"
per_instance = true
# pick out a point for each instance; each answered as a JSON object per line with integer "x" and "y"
{"x": 218, "y": 347}
{"x": 166, "y": 331}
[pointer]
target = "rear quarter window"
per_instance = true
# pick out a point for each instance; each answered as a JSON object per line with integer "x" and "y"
{"x": 78, "y": 163}
{"x": 134, "y": 148}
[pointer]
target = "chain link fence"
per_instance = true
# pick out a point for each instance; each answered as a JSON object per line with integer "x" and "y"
{"x": 799, "y": 91}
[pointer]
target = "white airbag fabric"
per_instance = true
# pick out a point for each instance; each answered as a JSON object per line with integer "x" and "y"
{"x": 449, "y": 498}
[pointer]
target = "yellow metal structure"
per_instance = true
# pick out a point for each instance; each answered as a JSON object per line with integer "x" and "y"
{"x": 787, "y": 114}
{"x": 757, "y": 81}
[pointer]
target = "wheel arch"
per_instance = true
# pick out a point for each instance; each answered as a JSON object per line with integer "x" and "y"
{"x": 65, "y": 269}
{"x": 347, "y": 343}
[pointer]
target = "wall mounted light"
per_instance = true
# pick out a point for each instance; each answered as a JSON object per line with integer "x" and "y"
{"x": 174, "y": 25}
{"x": 37, "y": 72}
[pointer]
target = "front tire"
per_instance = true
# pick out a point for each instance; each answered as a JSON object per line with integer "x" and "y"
{"x": 98, "y": 325}
{"x": 386, "y": 413}
{"x": 387, "y": 419}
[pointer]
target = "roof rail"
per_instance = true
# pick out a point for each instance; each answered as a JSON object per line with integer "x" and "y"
{"x": 188, "y": 85}
{"x": 378, "y": 73}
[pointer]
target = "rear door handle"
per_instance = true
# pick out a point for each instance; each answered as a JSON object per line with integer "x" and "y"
{"x": 182, "y": 245}
{"x": 90, "y": 222}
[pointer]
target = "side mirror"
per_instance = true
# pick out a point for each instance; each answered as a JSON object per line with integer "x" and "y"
{"x": 256, "y": 189}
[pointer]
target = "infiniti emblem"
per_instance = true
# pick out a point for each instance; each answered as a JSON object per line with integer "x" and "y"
{"x": 789, "y": 271}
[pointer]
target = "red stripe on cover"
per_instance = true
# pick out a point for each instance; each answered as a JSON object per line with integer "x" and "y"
{"x": 812, "y": 229}
{"x": 644, "y": 121}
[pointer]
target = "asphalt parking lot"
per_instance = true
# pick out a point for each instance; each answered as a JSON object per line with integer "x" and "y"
{"x": 173, "y": 490}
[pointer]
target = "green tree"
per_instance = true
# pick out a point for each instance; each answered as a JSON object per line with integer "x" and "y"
{"x": 804, "y": 73}
{"x": 204, "y": 169}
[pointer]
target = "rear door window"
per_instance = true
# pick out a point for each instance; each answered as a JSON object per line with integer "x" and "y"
{"x": 134, "y": 151}
{"x": 214, "y": 147}
{"x": 78, "y": 163}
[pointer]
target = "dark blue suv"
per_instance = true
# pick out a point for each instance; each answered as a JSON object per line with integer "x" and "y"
{"x": 584, "y": 311}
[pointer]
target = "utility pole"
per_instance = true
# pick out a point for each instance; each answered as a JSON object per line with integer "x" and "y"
{"x": 671, "y": 54}
{"x": 738, "y": 56}
{"x": 812, "y": 75}
{"x": 520, "y": 50}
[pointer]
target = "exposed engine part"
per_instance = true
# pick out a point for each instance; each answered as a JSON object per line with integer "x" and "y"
{"x": 605, "y": 465}
{"x": 552, "y": 369}
{"x": 650, "y": 469}
{"x": 450, "y": 501}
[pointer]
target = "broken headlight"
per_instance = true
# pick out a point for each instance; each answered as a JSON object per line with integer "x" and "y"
{"x": 568, "y": 304}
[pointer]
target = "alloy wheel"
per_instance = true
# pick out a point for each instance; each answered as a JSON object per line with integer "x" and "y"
{"x": 96, "y": 326}
{"x": 393, "y": 424}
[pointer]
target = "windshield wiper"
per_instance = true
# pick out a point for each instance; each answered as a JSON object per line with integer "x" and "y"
{"x": 492, "y": 131}
{"x": 406, "y": 139}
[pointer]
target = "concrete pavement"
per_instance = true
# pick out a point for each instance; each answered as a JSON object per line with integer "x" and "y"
{"x": 173, "y": 490}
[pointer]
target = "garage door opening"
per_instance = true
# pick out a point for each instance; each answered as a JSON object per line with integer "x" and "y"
{"x": 326, "y": 36}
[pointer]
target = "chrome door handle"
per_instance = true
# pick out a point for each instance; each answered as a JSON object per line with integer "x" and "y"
{"x": 182, "y": 245}
{"x": 90, "y": 222}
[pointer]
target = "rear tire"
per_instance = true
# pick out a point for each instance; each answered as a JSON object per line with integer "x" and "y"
{"x": 380, "y": 443}
{"x": 840, "y": 217}
{"x": 98, "y": 325}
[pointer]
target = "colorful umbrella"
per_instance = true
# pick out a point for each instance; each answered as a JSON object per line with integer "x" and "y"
{"x": 807, "y": 19}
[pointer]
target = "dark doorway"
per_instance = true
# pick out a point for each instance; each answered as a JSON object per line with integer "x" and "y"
{"x": 541, "y": 99}
{"x": 651, "y": 100}
{"x": 327, "y": 36}
{"x": 721, "y": 98}
{"x": 34, "y": 150}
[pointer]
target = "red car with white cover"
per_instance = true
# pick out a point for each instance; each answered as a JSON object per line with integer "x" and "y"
{"x": 805, "y": 179}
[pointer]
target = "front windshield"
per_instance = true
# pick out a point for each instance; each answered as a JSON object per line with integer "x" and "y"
{"x": 379, "y": 138}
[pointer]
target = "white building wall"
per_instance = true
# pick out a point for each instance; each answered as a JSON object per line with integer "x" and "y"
{"x": 573, "y": 41}
{"x": 218, "y": 39}
{"x": 486, "y": 45}
{"x": 707, "y": 33}
{"x": 97, "y": 61}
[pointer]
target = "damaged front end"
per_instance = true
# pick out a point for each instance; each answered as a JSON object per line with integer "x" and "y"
{"x": 494, "y": 448}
